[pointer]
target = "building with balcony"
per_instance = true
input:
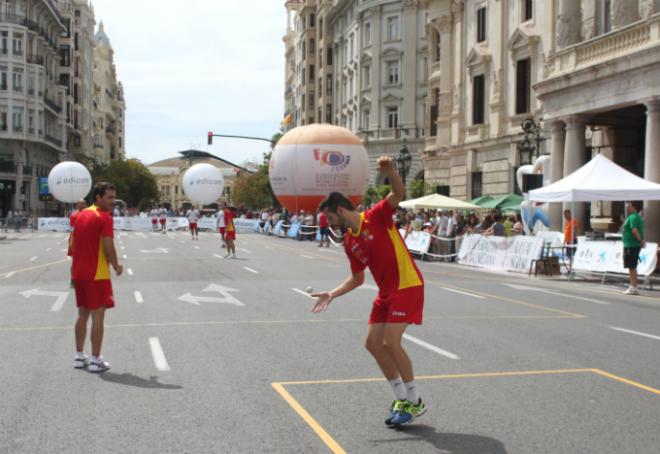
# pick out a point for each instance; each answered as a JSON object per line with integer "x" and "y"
{"x": 76, "y": 48}
{"x": 362, "y": 65}
{"x": 33, "y": 130}
{"x": 108, "y": 103}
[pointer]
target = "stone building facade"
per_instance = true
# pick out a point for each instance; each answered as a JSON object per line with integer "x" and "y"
{"x": 368, "y": 62}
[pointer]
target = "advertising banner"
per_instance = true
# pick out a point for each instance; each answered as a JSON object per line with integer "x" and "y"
{"x": 417, "y": 241}
{"x": 510, "y": 254}
{"x": 607, "y": 257}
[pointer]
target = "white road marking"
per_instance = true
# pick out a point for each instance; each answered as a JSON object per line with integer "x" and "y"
{"x": 196, "y": 247}
{"x": 250, "y": 270}
{"x": 463, "y": 293}
{"x": 158, "y": 355}
{"x": 297, "y": 290}
{"x": 57, "y": 305}
{"x": 124, "y": 257}
{"x": 122, "y": 248}
{"x": 48, "y": 250}
{"x": 433, "y": 348}
{"x": 33, "y": 258}
{"x": 635, "y": 332}
{"x": 138, "y": 297}
{"x": 307, "y": 256}
{"x": 10, "y": 274}
{"x": 368, "y": 287}
{"x": 218, "y": 255}
{"x": 129, "y": 271}
{"x": 244, "y": 250}
{"x": 268, "y": 247}
{"x": 550, "y": 292}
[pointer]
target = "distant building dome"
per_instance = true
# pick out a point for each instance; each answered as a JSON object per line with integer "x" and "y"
{"x": 101, "y": 37}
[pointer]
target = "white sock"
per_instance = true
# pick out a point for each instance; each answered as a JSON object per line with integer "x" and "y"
{"x": 411, "y": 389}
{"x": 398, "y": 388}
{"x": 97, "y": 359}
{"x": 80, "y": 355}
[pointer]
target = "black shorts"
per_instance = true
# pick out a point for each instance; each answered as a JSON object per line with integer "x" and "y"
{"x": 325, "y": 231}
{"x": 631, "y": 257}
{"x": 570, "y": 250}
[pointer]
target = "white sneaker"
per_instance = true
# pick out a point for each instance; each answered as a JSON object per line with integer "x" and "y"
{"x": 98, "y": 365}
{"x": 228, "y": 255}
{"x": 233, "y": 256}
{"x": 80, "y": 362}
{"x": 631, "y": 291}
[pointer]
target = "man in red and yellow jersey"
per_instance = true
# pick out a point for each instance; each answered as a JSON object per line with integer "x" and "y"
{"x": 93, "y": 252}
{"x": 372, "y": 240}
{"x": 230, "y": 231}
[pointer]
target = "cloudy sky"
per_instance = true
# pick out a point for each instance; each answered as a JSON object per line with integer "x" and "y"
{"x": 194, "y": 66}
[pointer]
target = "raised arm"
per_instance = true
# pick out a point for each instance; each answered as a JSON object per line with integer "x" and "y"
{"x": 397, "y": 189}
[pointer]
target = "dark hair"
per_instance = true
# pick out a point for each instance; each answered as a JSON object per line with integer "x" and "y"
{"x": 334, "y": 201}
{"x": 101, "y": 188}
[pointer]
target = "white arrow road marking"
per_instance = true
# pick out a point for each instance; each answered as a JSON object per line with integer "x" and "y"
{"x": 302, "y": 292}
{"x": 57, "y": 305}
{"x": 158, "y": 354}
{"x": 433, "y": 348}
{"x": 158, "y": 250}
{"x": 129, "y": 271}
{"x": 463, "y": 293}
{"x": 244, "y": 250}
{"x": 227, "y": 298}
{"x": 138, "y": 297}
{"x": 250, "y": 270}
{"x": 550, "y": 292}
{"x": 651, "y": 336}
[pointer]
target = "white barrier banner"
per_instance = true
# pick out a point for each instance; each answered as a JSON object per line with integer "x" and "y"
{"x": 246, "y": 225}
{"x": 511, "y": 254}
{"x": 54, "y": 224}
{"x": 607, "y": 257}
{"x": 417, "y": 241}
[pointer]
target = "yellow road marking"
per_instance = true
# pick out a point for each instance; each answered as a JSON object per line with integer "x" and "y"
{"x": 336, "y": 448}
{"x": 509, "y": 300}
{"x": 627, "y": 381}
{"x": 35, "y": 267}
{"x": 282, "y": 322}
{"x": 316, "y": 427}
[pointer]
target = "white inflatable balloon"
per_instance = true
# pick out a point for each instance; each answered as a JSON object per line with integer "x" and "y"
{"x": 203, "y": 183}
{"x": 309, "y": 162}
{"x": 69, "y": 181}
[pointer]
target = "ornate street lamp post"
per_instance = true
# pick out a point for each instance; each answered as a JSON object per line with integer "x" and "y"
{"x": 403, "y": 163}
{"x": 529, "y": 147}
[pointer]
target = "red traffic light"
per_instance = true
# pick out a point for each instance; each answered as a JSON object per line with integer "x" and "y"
{"x": 210, "y": 138}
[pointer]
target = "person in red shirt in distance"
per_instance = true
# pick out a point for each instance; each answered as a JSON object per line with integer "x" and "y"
{"x": 230, "y": 232}
{"x": 93, "y": 252}
{"x": 372, "y": 240}
{"x": 324, "y": 228}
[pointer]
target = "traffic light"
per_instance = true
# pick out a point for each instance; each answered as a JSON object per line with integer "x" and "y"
{"x": 210, "y": 138}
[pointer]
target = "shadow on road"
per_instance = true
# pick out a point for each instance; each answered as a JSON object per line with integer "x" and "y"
{"x": 449, "y": 442}
{"x": 129, "y": 379}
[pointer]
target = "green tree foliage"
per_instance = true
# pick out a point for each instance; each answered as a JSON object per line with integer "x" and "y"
{"x": 253, "y": 190}
{"x": 375, "y": 194}
{"x": 417, "y": 188}
{"x": 135, "y": 184}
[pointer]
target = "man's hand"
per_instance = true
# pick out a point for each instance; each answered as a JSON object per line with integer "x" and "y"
{"x": 118, "y": 269}
{"x": 323, "y": 300}
{"x": 385, "y": 164}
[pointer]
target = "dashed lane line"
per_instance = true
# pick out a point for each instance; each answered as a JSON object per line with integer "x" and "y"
{"x": 431, "y": 347}
{"x": 250, "y": 270}
{"x": 638, "y": 333}
{"x": 138, "y": 297}
{"x": 463, "y": 293}
{"x": 158, "y": 355}
{"x": 129, "y": 271}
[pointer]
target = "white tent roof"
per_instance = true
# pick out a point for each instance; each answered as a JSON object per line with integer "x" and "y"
{"x": 599, "y": 179}
{"x": 438, "y": 201}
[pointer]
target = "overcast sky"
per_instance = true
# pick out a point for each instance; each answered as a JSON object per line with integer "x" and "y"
{"x": 194, "y": 66}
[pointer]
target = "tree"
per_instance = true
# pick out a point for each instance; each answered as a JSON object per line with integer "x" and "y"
{"x": 253, "y": 189}
{"x": 135, "y": 184}
{"x": 418, "y": 188}
{"x": 375, "y": 194}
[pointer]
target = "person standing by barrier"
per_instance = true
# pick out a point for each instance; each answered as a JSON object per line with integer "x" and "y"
{"x": 193, "y": 217}
{"x": 324, "y": 229}
{"x": 93, "y": 250}
{"x": 154, "y": 219}
{"x": 571, "y": 227}
{"x": 162, "y": 218}
{"x": 230, "y": 233}
{"x": 221, "y": 223}
{"x": 633, "y": 243}
{"x": 373, "y": 241}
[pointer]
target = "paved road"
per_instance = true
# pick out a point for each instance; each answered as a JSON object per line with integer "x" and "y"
{"x": 213, "y": 355}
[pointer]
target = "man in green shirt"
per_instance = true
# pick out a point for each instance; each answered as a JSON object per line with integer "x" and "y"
{"x": 633, "y": 242}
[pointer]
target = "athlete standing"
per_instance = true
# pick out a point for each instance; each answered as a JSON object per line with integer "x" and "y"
{"x": 373, "y": 241}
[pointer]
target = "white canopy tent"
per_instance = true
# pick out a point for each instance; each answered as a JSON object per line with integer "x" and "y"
{"x": 437, "y": 201}
{"x": 599, "y": 179}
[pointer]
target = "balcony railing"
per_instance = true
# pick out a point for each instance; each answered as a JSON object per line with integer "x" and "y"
{"x": 54, "y": 140}
{"x": 618, "y": 43}
{"x": 110, "y": 129}
{"x": 36, "y": 60}
{"x": 53, "y": 104}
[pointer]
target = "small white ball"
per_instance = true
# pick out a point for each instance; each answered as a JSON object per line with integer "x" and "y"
{"x": 310, "y": 289}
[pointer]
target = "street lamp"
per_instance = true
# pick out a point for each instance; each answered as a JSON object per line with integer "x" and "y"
{"x": 403, "y": 163}
{"x": 530, "y": 146}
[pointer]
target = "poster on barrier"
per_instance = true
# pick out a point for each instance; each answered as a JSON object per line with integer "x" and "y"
{"x": 607, "y": 257}
{"x": 293, "y": 230}
{"x": 277, "y": 231}
{"x": 483, "y": 251}
{"x": 246, "y": 225}
{"x": 54, "y": 224}
{"x": 417, "y": 241}
{"x": 521, "y": 251}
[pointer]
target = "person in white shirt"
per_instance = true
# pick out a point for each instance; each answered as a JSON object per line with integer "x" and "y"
{"x": 162, "y": 217}
{"x": 154, "y": 219}
{"x": 221, "y": 226}
{"x": 193, "y": 217}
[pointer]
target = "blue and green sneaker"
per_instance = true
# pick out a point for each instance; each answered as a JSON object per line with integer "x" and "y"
{"x": 409, "y": 413}
{"x": 395, "y": 409}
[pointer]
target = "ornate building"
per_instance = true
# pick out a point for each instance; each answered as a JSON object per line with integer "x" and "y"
{"x": 109, "y": 104}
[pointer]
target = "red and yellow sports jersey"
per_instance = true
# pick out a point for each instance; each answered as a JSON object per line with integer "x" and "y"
{"x": 89, "y": 260}
{"x": 229, "y": 221}
{"x": 378, "y": 245}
